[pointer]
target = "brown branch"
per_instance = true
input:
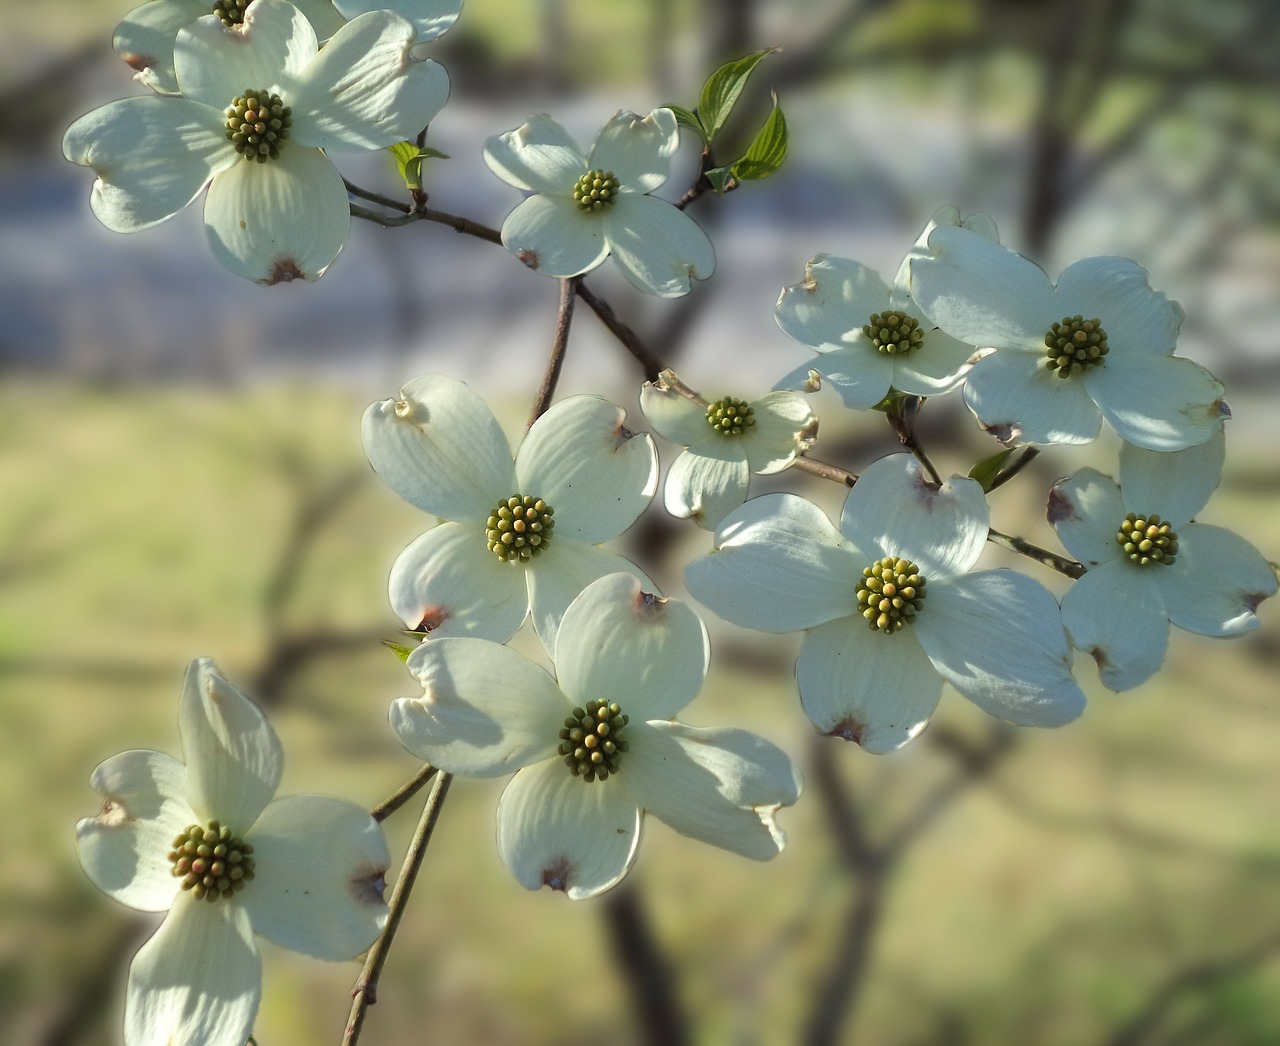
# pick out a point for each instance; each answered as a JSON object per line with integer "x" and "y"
{"x": 1028, "y": 455}
{"x": 629, "y": 339}
{"x": 646, "y": 974}
{"x": 403, "y": 794}
{"x": 559, "y": 341}
{"x": 462, "y": 225}
{"x": 1061, "y": 564}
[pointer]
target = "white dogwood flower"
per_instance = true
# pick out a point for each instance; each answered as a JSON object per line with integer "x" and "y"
{"x": 725, "y": 442}
{"x": 871, "y": 337}
{"x": 522, "y": 536}
{"x": 261, "y": 107}
{"x": 597, "y": 747}
{"x": 1098, "y": 344}
{"x": 207, "y": 843}
{"x": 891, "y": 606}
{"x": 585, "y": 208}
{"x": 1148, "y": 564}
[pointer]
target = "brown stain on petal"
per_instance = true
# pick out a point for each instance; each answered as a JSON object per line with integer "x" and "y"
{"x": 1100, "y": 657}
{"x": 369, "y": 886}
{"x": 1253, "y": 600}
{"x": 649, "y": 605}
{"x": 285, "y": 270}
{"x": 848, "y": 729}
{"x": 1059, "y": 507}
{"x": 622, "y": 436}
{"x": 1006, "y": 432}
{"x": 557, "y": 874}
{"x": 138, "y": 62}
{"x": 113, "y": 813}
{"x": 432, "y": 618}
{"x": 529, "y": 257}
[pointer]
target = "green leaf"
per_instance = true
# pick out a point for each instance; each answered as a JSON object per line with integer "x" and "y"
{"x": 409, "y": 157}
{"x": 401, "y": 651}
{"x": 720, "y": 92}
{"x": 719, "y": 177}
{"x": 688, "y": 118}
{"x": 986, "y": 470}
{"x": 766, "y": 153}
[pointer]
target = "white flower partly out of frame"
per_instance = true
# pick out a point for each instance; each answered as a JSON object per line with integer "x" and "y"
{"x": 439, "y": 447}
{"x": 315, "y": 885}
{"x": 991, "y": 297}
{"x": 995, "y": 635}
{"x": 286, "y": 217}
{"x": 658, "y": 247}
{"x": 871, "y": 337}
{"x": 725, "y": 442}
{"x": 145, "y": 38}
{"x": 1199, "y": 577}
{"x": 488, "y": 711}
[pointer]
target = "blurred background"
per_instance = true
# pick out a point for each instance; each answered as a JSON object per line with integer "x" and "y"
{"x": 182, "y": 476}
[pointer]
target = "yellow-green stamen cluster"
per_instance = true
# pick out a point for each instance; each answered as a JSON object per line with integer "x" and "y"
{"x": 893, "y": 332}
{"x": 591, "y": 740}
{"x": 258, "y": 123}
{"x": 519, "y": 528}
{"x": 1147, "y": 539}
{"x": 231, "y": 11}
{"x": 890, "y": 594}
{"x": 211, "y": 861}
{"x": 1074, "y": 344}
{"x": 730, "y": 416}
{"x": 595, "y": 189}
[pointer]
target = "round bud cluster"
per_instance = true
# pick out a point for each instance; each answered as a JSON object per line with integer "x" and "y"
{"x": 1074, "y": 344}
{"x": 257, "y": 123}
{"x": 591, "y": 740}
{"x": 890, "y": 594}
{"x": 519, "y": 528}
{"x": 231, "y": 11}
{"x": 595, "y": 189}
{"x": 211, "y": 861}
{"x": 893, "y": 332}
{"x": 1147, "y": 539}
{"x": 730, "y": 416}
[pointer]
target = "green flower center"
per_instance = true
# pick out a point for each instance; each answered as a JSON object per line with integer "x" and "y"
{"x": 519, "y": 528}
{"x": 890, "y": 594}
{"x": 211, "y": 861}
{"x": 1074, "y": 344}
{"x": 595, "y": 189}
{"x": 257, "y": 123}
{"x": 730, "y": 416}
{"x": 1147, "y": 539}
{"x": 591, "y": 740}
{"x": 231, "y": 11}
{"x": 893, "y": 332}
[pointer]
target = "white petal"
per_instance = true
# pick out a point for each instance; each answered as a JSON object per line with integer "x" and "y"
{"x": 557, "y": 576}
{"x": 997, "y": 637}
{"x": 895, "y": 509}
{"x": 439, "y": 447}
{"x": 448, "y": 583}
{"x": 152, "y": 157}
{"x": 619, "y": 643}
{"x": 278, "y": 221}
{"x": 982, "y": 293}
{"x": 637, "y": 149}
{"x": 1116, "y": 615}
{"x": 1174, "y": 486}
{"x": 832, "y": 304}
{"x": 145, "y": 39}
{"x": 860, "y": 377}
{"x": 538, "y": 156}
{"x": 718, "y": 785}
{"x": 596, "y": 473}
{"x": 430, "y": 18}
{"x": 939, "y": 365}
{"x": 900, "y": 294}
{"x": 785, "y": 425}
{"x": 555, "y": 236}
{"x": 658, "y": 247}
{"x": 863, "y": 686}
{"x": 1086, "y": 510}
{"x": 706, "y": 484}
{"x": 233, "y": 756}
{"x": 778, "y": 566}
{"x": 124, "y": 849}
{"x": 324, "y": 17}
{"x": 560, "y": 831}
{"x": 1217, "y": 583}
{"x": 216, "y": 64}
{"x": 1018, "y": 398}
{"x": 485, "y": 711}
{"x": 1161, "y": 403}
{"x": 198, "y": 981}
{"x": 365, "y": 90}
{"x": 673, "y": 416}
{"x": 1137, "y": 319}
{"x": 320, "y": 869}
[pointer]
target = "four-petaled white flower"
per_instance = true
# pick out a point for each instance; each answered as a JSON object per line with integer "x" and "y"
{"x": 260, "y": 89}
{"x": 870, "y": 337}
{"x": 1166, "y": 569}
{"x": 596, "y": 748}
{"x": 145, "y": 38}
{"x": 585, "y": 208}
{"x": 207, "y": 843}
{"x": 891, "y": 606}
{"x": 522, "y": 536}
{"x": 725, "y": 442}
{"x": 1098, "y": 344}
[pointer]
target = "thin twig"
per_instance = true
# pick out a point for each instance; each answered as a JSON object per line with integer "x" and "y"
{"x": 559, "y": 341}
{"x": 821, "y": 468}
{"x": 462, "y": 225}
{"x": 386, "y": 221}
{"x": 902, "y": 418}
{"x": 378, "y": 198}
{"x": 1028, "y": 455}
{"x": 1061, "y": 564}
{"x": 630, "y": 340}
{"x": 403, "y": 794}
{"x": 648, "y": 977}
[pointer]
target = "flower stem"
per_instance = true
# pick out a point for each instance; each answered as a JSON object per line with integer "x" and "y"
{"x": 403, "y": 794}
{"x": 385, "y": 220}
{"x": 564, "y": 317}
{"x": 1028, "y": 455}
{"x": 902, "y": 417}
{"x": 365, "y": 992}
{"x": 630, "y": 340}
{"x": 821, "y": 468}
{"x": 1061, "y": 564}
